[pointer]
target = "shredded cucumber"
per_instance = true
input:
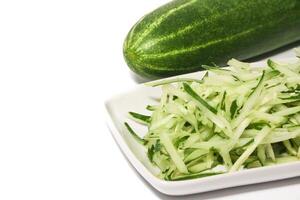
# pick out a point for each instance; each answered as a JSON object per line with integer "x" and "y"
{"x": 231, "y": 119}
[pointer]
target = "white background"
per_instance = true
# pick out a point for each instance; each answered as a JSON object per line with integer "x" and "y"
{"x": 59, "y": 60}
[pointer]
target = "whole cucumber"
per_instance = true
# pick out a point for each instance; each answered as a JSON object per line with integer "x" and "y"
{"x": 182, "y": 35}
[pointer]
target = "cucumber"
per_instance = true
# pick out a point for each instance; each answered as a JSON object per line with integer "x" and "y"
{"x": 183, "y": 35}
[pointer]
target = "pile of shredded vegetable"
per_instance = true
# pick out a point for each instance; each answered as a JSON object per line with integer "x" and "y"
{"x": 231, "y": 119}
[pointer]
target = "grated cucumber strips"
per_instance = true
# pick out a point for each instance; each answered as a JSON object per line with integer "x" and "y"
{"x": 233, "y": 118}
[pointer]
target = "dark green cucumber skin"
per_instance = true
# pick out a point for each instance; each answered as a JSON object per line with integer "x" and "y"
{"x": 218, "y": 30}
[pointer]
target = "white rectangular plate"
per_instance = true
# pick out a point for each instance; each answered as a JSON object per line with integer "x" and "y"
{"x": 136, "y": 100}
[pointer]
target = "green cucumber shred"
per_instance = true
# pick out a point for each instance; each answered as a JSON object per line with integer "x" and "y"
{"x": 222, "y": 124}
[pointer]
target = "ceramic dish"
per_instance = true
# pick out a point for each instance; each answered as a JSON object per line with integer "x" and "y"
{"x": 135, "y": 100}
